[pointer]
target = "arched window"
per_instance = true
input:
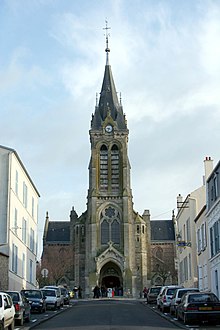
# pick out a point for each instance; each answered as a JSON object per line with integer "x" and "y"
{"x": 105, "y": 232}
{"x": 103, "y": 168}
{"x": 114, "y": 167}
{"x": 115, "y": 232}
{"x": 110, "y": 226}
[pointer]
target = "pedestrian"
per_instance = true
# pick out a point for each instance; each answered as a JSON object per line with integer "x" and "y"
{"x": 80, "y": 292}
{"x": 96, "y": 292}
{"x": 76, "y": 294}
{"x": 145, "y": 291}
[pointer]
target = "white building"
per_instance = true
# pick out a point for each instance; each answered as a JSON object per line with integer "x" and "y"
{"x": 18, "y": 222}
{"x": 213, "y": 218}
{"x": 202, "y": 242}
{"x": 188, "y": 210}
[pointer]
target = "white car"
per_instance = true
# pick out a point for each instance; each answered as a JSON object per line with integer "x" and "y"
{"x": 53, "y": 298}
{"x": 7, "y": 312}
{"x": 177, "y": 298}
{"x": 166, "y": 296}
{"x": 57, "y": 288}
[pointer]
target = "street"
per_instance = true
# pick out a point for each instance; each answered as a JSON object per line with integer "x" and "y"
{"x": 107, "y": 315}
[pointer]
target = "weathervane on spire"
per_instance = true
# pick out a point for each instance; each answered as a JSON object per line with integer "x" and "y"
{"x": 106, "y": 28}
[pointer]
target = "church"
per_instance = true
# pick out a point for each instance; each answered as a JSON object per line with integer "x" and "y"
{"x": 114, "y": 246}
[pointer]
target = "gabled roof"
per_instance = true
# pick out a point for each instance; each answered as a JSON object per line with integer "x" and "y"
{"x": 58, "y": 232}
{"x": 162, "y": 230}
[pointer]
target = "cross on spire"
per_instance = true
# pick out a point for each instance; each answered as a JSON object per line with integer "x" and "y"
{"x": 106, "y": 28}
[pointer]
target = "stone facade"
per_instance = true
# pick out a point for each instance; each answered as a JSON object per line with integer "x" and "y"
{"x": 3, "y": 272}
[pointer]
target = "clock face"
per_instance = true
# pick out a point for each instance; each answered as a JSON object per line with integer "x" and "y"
{"x": 108, "y": 128}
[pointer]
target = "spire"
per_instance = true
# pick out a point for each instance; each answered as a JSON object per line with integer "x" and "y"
{"x": 108, "y": 104}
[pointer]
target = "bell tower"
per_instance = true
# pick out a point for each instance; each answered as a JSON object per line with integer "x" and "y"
{"x": 117, "y": 239}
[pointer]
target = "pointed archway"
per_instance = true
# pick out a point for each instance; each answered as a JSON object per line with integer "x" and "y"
{"x": 111, "y": 277}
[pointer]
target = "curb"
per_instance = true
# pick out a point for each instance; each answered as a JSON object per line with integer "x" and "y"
{"x": 172, "y": 321}
{"x": 32, "y": 326}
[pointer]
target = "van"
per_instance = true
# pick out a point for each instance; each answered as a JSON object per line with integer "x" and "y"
{"x": 58, "y": 288}
{"x": 53, "y": 298}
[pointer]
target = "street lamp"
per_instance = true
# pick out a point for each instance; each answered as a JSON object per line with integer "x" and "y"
{"x": 181, "y": 243}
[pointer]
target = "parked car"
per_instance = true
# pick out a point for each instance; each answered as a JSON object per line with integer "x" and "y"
{"x": 152, "y": 294}
{"x": 159, "y": 296}
{"x": 53, "y": 298}
{"x": 177, "y": 298}
{"x": 166, "y": 296}
{"x": 36, "y": 299}
{"x": 58, "y": 288}
{"x": 66, "y": 296}
{"x": 7, "y": 312}
{"x": 22, "y": 307}
{"x": 199, "y": 306}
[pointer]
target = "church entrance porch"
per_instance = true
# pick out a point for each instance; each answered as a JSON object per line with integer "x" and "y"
{"x": 111, "y": 277}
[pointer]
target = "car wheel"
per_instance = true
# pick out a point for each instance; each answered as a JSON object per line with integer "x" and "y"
{"x": 28, "y": 317}
{"x": 1, "y": 326}
{"x": 21, "y": 320}
{"x": 185, "y": 319}
{"x": 11, "y": 326}
{"x": 177, "y": 316}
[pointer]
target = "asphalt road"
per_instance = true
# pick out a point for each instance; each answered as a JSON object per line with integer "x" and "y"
{"x": 107, "y": 315}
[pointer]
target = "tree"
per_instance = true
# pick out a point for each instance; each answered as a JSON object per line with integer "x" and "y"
{"x": 58, "y": 260}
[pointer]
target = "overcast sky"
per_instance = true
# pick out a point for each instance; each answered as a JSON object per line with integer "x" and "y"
{"x": 165, "y": 59}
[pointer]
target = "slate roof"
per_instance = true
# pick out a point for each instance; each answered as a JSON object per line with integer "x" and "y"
{"x": 58, "y": 232}
{"x": 162, "y": 230}
{"x": 108, "y": 103}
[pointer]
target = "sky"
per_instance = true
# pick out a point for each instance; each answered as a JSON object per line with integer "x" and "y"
{"x": 165, "y": 60}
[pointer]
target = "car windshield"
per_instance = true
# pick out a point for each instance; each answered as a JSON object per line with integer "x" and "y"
{"x": 49, "y": 293}
{"x": 14, "y": 296}
{"x": 182, "y": 292}
{"x": 63, "y": 291}
{"x": 32, "y": 294}
{"x": 171, "y": 291}
{"x": 203, "y": 297}
{"x": 155, "y": 290}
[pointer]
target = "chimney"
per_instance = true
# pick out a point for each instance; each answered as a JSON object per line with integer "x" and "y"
{"x": 208, "y": 164}
{"x": 179, "y": 201}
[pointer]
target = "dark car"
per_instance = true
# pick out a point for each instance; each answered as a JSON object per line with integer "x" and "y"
{"x": 152, "y": 294}
{"x": 199, "y": 307}
{"x": 22, "y": 307}
{"x": 36, "y": 299}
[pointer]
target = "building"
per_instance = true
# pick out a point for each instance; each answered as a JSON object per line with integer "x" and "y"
{"x": 19, "y": 220}
{"x": 202, "y": 242}
{"x": 213, "y": 219}
{"x": 187, "y": 212}
{"x": 57, "y": 257}
{"x": 111, "y": 242}
{"x": 163, "y": 252}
